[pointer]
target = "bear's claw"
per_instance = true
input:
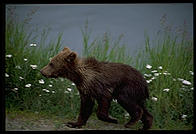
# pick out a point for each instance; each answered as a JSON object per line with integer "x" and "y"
{"x": 74, "y": 125}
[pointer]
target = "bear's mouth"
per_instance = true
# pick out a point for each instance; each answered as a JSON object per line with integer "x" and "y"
{"x": 54, "y": 76}
{"x": 51, "y": 76}
{"x": 45, "y": 75}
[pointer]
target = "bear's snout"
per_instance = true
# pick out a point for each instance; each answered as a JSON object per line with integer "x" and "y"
{"x": 42, "y": 72}
{"x": 48, "y": 74}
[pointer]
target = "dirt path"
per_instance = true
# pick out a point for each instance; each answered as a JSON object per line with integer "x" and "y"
{"x": 20, "y": 122}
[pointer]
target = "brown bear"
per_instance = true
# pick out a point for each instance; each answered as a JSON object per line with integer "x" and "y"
{"x": 102, "y": 81}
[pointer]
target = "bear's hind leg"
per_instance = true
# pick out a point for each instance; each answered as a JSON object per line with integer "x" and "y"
{"x": 134, "y": 110}
{"x": 136, "y": 115}
{"x": 146, "y": 119}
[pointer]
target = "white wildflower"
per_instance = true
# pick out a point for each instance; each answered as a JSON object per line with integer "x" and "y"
{"x": 6, "y": 75}
{"x": 66, "y": 92}
{"x": 127, "y": 115}
{"x": 33, "y": 45}
{"x": 148, "y": 66}
{"x": 191, "y": 72}
{"x": 186, "y": 82}
{"x": 15, "y": 89}
{"x": 50, "y": 58}
{"x": 21, "y": 78}
{"x": 154, "y": 98}
{"x": 153, "y": 78}
{"x": 18, "y": 67}
{"x": 192, "y": 88}
{"x": 160, "y": 67}
{"x": 25, "y": 59}
{"x": 69, "y": 89}
{"x": 73, "y": 84}
{"x": 40, "y": 95}
{"x": 156, "y": 74}
{"x": 46, "y": 90}
{"x": 166, "y": 73}
{"x": 180, "y": 79}
{"x": 8, "y": 56}
{"x": 114, "y": 100}
{"x": 184, "y": 116}
{"x": 50, "y": 85}
{"x": 41, "y": 81}
{"x": 148, "y": 81}
{"x": 147, "y": 75}
{"x": 53, "y": 92}
{"x": 174, "y": 79}
{"x": 33, "y": 66}
{"x": 166, "y": 90}
{"x": 28, "y": 85}
{"x": 154, "y": 71}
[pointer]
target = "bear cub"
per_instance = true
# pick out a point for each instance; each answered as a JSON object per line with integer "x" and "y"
{"x": 102, "y": 81}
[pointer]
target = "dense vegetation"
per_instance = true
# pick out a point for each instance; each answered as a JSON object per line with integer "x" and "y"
{"x": 167, "y": 67}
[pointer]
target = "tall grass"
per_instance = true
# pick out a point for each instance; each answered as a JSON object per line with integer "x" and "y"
{"x": 176, "y": 60}
{"x": 104, "y": 48}
{"x": 171, "y": 58}
{"x": 19, "y": 72}
{"x": 174, "y": 52}
{"x": 171, "y": 61}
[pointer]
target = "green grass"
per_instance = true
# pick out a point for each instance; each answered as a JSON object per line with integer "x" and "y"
{"x": 175, "y": 57}
{"x": 104, "y": 48}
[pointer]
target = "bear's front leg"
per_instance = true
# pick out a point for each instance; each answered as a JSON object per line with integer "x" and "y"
{"x": 86, "y": 107}
{"x": 103, "y": 110}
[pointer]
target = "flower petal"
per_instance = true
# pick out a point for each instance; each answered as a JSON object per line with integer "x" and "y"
{"x": 166, "y": 90}
{"x": 186, "y": 82}
{"x": 154, "y": 98}
{"x": 148, "y": 66}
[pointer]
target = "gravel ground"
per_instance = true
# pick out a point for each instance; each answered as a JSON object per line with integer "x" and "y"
{"x": 20, "y": 122}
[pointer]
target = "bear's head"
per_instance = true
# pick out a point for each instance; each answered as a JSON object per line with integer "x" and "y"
{"x": 60, "y": 65}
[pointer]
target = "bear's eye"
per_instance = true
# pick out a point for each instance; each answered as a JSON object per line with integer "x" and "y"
{"x": 51, "y": 64}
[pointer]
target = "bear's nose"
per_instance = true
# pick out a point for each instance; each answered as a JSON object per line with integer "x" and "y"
{"x": 41, "y": 71}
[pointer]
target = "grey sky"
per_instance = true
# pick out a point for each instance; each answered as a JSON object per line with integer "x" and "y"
{"x": 128, "y": 19}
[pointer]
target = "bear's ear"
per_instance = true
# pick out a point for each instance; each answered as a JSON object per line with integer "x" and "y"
{"x": 71, "y": 57}
{"x": 66, "y": 49}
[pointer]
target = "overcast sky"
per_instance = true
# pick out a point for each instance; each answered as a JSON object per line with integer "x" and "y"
{"x": 131, "y": 20}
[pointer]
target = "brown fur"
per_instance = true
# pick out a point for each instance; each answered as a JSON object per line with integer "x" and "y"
{"x": 102, "y": 81}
